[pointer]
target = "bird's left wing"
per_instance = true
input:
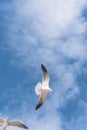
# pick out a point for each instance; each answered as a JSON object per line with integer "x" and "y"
{"x": 41, "y": 100}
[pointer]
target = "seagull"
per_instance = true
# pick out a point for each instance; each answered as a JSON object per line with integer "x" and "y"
{"x": 6, "y": 123}
{"x": 42, "y": 89}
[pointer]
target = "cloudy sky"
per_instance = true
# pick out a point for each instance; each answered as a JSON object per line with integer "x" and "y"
{"x": 53, "y": 33}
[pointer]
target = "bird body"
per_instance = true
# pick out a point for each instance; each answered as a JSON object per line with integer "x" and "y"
{"x": 42, "y": 89}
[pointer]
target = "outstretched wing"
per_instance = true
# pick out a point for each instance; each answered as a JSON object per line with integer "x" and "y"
{"x": 18, "y": 124}
{"x": 42, "y": 99}
{"x": 46, "y": 76}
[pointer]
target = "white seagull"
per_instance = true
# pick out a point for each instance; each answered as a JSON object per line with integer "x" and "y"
{"x": 6, "y": 123}
{"x": 42, "y": 89}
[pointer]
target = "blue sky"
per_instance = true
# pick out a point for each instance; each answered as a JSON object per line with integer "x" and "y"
{"x": 53, "y": 33}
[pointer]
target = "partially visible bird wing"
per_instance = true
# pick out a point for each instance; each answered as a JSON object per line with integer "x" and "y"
{"x": 1, "y": 120}
{"x": 45, "y": 73}
{"x": 17, "y": 123}
{"x": 42, "y": 99}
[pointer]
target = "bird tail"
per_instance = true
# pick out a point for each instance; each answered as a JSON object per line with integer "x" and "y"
{"x": 38, "y": 88}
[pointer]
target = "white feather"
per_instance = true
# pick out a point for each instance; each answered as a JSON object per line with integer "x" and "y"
{"x": 38, "y": 88}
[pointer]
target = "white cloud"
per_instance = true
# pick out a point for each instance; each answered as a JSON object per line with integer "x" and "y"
{"x": 50, "y": 32}
{"x": 50, "y": 18}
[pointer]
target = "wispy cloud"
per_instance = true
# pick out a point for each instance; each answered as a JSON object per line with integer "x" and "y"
{"x": 53, "y": 33}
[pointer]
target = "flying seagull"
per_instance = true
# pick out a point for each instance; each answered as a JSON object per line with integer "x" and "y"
{"x": 6, "y": 123}
{"x": 42, "y": 89}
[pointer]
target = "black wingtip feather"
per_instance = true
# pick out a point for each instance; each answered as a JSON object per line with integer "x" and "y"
{"x": 25, "y": 127}
{"x": 38, "y": 106}
{"x": 43, "y": 68}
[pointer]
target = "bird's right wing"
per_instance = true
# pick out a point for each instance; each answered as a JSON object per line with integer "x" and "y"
{"x": 18, "y": 124}
{"x": 1, "y": 120}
